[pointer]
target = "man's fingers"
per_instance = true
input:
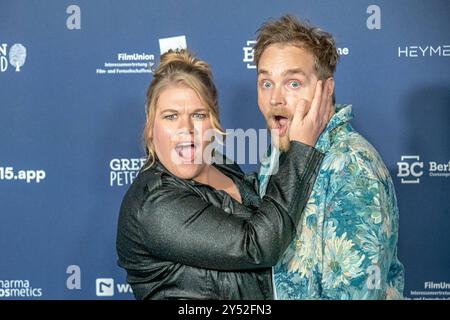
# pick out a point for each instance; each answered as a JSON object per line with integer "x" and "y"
{"x": 297, "y": 119}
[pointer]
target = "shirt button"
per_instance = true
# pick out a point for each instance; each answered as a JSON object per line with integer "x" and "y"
{"x": 227, "y": 210}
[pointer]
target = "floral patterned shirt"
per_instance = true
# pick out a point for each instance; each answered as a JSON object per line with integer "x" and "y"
{"x": 346, "y": 243}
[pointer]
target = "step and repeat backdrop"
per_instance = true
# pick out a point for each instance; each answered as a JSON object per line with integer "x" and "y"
{"x": 73, "y": 79}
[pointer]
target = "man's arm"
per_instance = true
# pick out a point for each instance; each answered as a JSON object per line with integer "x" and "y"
{"x": 360, "y": 240}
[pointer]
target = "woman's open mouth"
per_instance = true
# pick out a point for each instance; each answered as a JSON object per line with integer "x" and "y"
{"x": 186, "y": 150}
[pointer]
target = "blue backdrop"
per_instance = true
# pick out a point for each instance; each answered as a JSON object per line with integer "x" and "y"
{"x": 73, "y": 78}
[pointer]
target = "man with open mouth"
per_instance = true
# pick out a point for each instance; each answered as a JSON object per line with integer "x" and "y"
{"x": 346, "y": 243}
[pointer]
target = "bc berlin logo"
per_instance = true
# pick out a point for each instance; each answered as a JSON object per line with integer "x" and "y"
{"x": 410, "y": 169}
{"x": 17, "y": 56}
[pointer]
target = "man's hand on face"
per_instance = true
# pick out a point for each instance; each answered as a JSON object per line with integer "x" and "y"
{"x": 306, "y": 127}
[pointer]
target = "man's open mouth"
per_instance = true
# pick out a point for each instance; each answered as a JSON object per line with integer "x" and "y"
{"x": 281, "y": 124}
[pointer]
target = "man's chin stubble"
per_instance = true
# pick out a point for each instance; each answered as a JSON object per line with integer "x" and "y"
{"x": 283, "y": 144}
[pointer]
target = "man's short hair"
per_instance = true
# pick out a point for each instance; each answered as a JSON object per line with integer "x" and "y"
{"x": 289, "y": 30}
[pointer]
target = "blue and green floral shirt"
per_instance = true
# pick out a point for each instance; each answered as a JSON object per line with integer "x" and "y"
{"x": 346, "y": 243}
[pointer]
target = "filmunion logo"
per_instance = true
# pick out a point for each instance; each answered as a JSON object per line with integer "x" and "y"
{"x": 18, "y": 288}
{"x": 249, "y": 53}
{"x": 17, "y": 56}
{"x": 128, "y": 63}
{"x": 410, "y": 169}
{"x": 423, "y": 51}
{"x": 436, "y": 285}
{"x": 104, "y": 287}
{"x": 134, "y": 57}
{"x": 124, "y": 171}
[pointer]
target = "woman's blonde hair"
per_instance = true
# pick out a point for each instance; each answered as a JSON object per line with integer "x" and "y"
{"x": 177, "y": 68}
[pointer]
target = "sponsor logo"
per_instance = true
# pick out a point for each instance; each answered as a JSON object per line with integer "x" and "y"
{"x": 420, "y": 51}
{"x": 432, "y": 291}
{"x": 411, "y": 169}
{"x": 128, "y": 63}
{"x": 174, "y": 43}
{"x": 439, "y": 169}
{"x": 249, "y": 54}
{"x": 124, "y": 171}
{"x": 10, "y": 174}
{"x": 343, "y": 51}
{"x": 104, "y": 287}
{"x": 18, "y": 288}
{"x": 436, "y": 285}
{"x": 14, "y": 57}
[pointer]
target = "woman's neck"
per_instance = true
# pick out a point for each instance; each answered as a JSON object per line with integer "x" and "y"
{"x": 205, "y": 175}
{"x": 213, "y": 177}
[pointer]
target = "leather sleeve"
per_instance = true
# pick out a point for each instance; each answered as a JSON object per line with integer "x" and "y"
{"x": 179, "y": 226}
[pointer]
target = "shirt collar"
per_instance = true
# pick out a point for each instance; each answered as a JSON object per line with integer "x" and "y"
{"x": 343, "y": 115}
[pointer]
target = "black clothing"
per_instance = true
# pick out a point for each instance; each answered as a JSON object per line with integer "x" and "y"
{"x": 180, "y": 239}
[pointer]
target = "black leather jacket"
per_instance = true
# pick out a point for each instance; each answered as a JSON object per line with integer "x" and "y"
{"x": 180, "y": 239}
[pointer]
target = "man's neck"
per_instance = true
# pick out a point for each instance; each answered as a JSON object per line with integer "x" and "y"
{"x": 333, "y": 112}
